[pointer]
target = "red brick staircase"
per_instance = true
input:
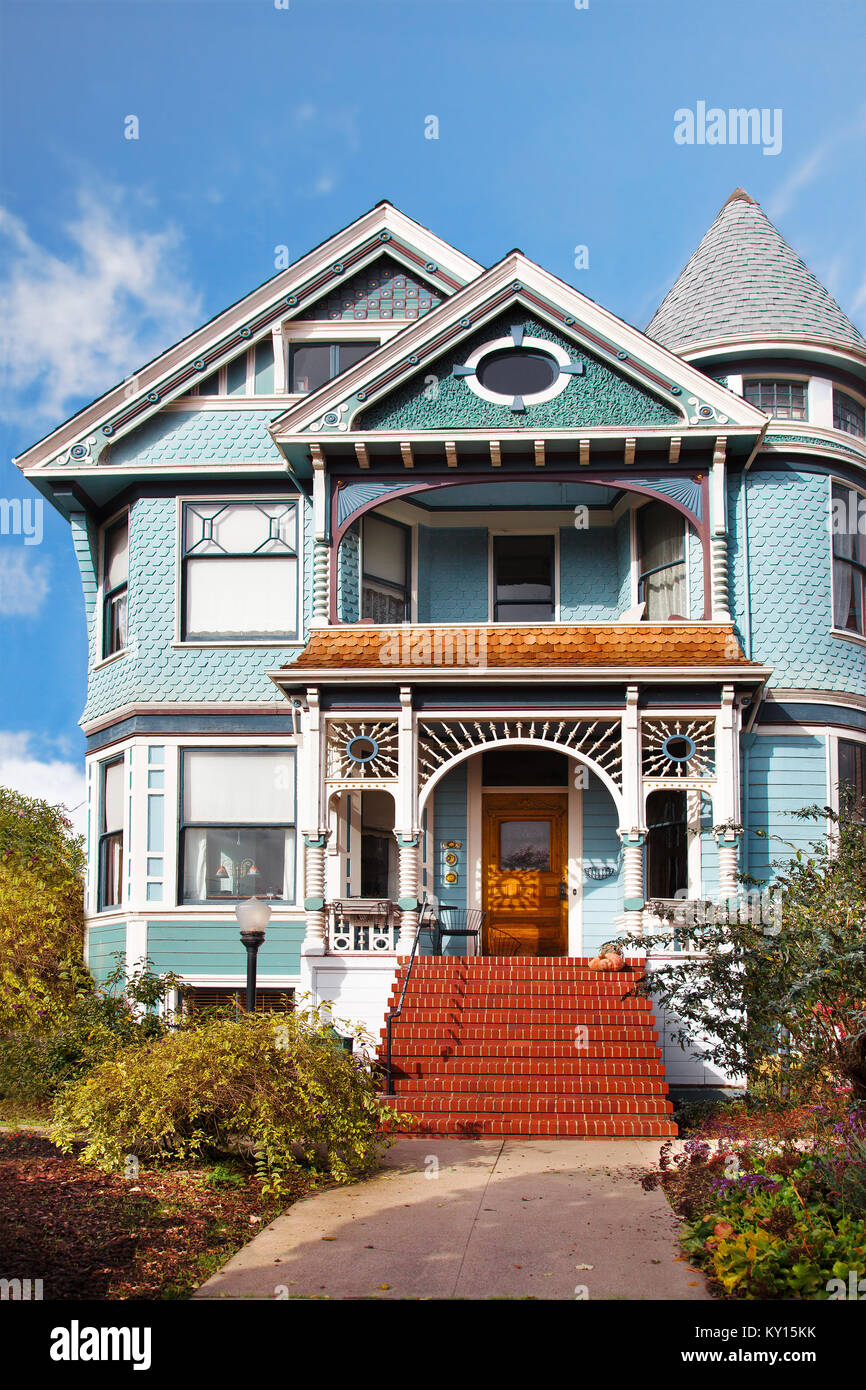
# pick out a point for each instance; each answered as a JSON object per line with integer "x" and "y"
{"x": 525, "y": 1045}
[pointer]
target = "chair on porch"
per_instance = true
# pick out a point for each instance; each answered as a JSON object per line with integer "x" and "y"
{"x": 464, "y": 923}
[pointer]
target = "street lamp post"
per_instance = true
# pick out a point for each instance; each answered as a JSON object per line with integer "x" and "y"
{"x": 253, "y": 916}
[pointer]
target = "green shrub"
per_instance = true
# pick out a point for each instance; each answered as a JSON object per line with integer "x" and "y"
{"x": 273, "y": 1090}
{"x": 41, "y": 1056}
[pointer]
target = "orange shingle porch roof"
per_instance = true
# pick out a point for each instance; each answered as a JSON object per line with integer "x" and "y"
{"x": 590, "y": 646}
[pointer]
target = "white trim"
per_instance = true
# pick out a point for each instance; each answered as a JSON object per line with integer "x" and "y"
{"x": 543, "y": 345}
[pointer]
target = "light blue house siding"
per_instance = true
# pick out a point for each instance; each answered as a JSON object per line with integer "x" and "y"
{"x": 602, "y": 897}
{"x": 590, "y": 581}
{"x": 152, "y": 668}
{"x": 783, "y": 607}
{"x": 449, "y": 823}
{"x": 452, "y": 570}
{"x": 104, "y": 941}
{"x": 781, "y": 774}
{"x": 214, "y": 948}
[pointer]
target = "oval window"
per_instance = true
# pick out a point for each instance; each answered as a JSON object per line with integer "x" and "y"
{"x": 517, "y": 372}
{"x": 679, "y": 748}
{"x": 361, "y": 749}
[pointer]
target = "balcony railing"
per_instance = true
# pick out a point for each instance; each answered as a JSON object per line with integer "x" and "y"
{"x": 363, "y": 926}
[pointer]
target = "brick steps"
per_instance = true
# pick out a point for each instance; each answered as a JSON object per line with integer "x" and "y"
{"x": 515, "y": 1045}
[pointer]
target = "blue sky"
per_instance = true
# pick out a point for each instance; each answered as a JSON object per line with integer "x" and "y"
{"x": 261, "y": 127}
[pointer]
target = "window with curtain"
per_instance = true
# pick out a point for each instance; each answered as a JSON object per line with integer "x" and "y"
{"x": 240, "y": 570}
{"x": 849, "y": 560}
{"x": 237, "y": 836}
{"x": 662, "y": 561}
{"x": 312, "y": 364}
{"x": 385, "y": 552}
{"x": 523, "y": 583}
{"x": 110, "y": 856}
{"x": 852, "y": 774}
{"x": 115, "y": 575}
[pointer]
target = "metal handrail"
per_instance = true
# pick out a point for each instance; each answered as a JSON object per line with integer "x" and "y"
{"x": 395, "y": 1013}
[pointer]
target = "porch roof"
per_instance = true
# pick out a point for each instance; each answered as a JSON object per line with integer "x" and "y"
{"x": 478, "y": 649}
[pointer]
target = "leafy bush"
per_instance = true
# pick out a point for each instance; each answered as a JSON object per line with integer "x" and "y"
{"x": 38, "y": 1059}
{"x": 782, "y": 1003}
{"x": 772, "y": 1219}
{"x": 41, "y": 910}
{"x": 273, "y": 1089}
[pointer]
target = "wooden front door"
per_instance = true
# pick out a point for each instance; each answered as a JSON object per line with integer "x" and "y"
{"x": 524, "y": 870}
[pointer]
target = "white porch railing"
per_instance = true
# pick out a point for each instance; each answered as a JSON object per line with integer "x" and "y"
{"x": 363, "y": 926}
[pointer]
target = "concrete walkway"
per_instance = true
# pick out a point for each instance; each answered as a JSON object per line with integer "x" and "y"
{"x": 476, "y": 1219}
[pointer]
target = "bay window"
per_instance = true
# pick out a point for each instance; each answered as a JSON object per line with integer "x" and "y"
{"x": 240, "y": 571}
{"x": 661, "y": 561}
{"x": 385, "y": 553}
{"x": 852, "y": 774}
{"x": 237, "y": 835}
{"x": 110, "y": 855}
{"x": 848, "y": 415}
{"x": 849, "y": 560}
{"x": 115, "y": 575}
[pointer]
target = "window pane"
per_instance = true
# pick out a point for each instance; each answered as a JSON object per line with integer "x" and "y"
{"x": 385, "y": 551}
{"x": 852, "y": 768}
{"x": 111, "y": 871}
{"x": 112, "y": 796}
{"x": 848, "y": 596}
{"x": 661, "y": 541}
{"x": 117, "y": 554}
{"x": 264, "y": 367}
{"x": 849, "y": 523}
{"x": 241, "y": 528}
{"x": 848, "y": 415}
{"x": 524, "y": 578}
{"x": 237, "y": 863}
{"x": 310, "y": 366}
{"x": 236, "y": 376}
{"x": 210, "y": 386}
{"x": 254, "y": 597}
{"x": 115, "y": 624}
{"x": 236, "y": 788}
{"x": 350, "y": 353}
{"x": 524, "y": 845}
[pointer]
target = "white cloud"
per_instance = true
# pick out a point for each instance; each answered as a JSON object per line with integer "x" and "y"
{"x": 51, "y": 779}
{"x": 72, "y": 326}
{"x": 23, "y": 583}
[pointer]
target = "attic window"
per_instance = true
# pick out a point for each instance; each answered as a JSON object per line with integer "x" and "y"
{"x": 784, "y": 400}
{"x": 517, "y": 372}
{"x": 251, "y": 373}
{"x": 312, "y": 364}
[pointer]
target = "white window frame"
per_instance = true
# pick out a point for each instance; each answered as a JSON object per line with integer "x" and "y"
{"x": 100, "y": 618}
{"x": 842, "y": 632}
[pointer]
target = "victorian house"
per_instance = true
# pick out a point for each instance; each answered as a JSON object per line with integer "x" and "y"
{"x": 409, "y": 578}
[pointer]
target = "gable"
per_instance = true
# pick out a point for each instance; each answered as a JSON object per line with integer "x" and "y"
{"x": 598, "y": 396}
{"x": 383, "y": 291}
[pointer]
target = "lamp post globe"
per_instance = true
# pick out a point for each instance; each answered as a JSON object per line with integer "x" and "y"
{"x": 253, "y": 915}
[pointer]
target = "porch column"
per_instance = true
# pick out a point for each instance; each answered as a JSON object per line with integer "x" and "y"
{"x": 633, "y": 842}
{"x": 407, "y": 850}
{"x": 720, "y": 605}
{"x": 316, "y": 835}
{"x": 407, "y": 834}
{"x": 727, "y": 831}
{"x": 631, "y": 831}
{"x": 321, "y": 548}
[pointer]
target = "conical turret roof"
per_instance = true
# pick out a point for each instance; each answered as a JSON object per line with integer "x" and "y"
{"x": 743, "y": 281}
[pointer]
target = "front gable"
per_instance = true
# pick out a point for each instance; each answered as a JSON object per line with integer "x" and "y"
{"x": 596, "y": 396}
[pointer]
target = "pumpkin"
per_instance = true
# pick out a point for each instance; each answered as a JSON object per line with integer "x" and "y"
{"x": 597, "y": 963}
{"x": 613, "y": 962}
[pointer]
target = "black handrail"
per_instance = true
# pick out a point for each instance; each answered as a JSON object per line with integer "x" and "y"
{"x": 395, "y": 1013}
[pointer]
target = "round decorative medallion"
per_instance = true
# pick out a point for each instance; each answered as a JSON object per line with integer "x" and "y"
{"x": 291, "y": 299}
{"x": 108, "y": 429}
{"x": 675, "y": 391}
{"x": 78, "y": 451}
{"x": 431, "y": 265}
{"x": 246, "y": 332}
{"x": 153, "y": 396}
{"x": 199, "y": 364}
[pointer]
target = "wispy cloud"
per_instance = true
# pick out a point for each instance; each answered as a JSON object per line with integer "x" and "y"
{"x": 24, "y": 768}
{"x": 24, "y": 583}
{"x": 809, "y": 168}
{"x": 74, "y": 324}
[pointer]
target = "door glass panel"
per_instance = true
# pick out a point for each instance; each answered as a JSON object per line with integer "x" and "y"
{"x": 524, "y": 844}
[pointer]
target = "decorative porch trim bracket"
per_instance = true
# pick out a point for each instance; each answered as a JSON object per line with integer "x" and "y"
{"x": 728, "y": 832}
{"x": 631, "y": 831}
{"x": 720, "y": 588}
{"x": 406, "y": 822}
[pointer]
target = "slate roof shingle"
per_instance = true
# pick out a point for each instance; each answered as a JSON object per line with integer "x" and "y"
{"x": 744, "y": 279}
